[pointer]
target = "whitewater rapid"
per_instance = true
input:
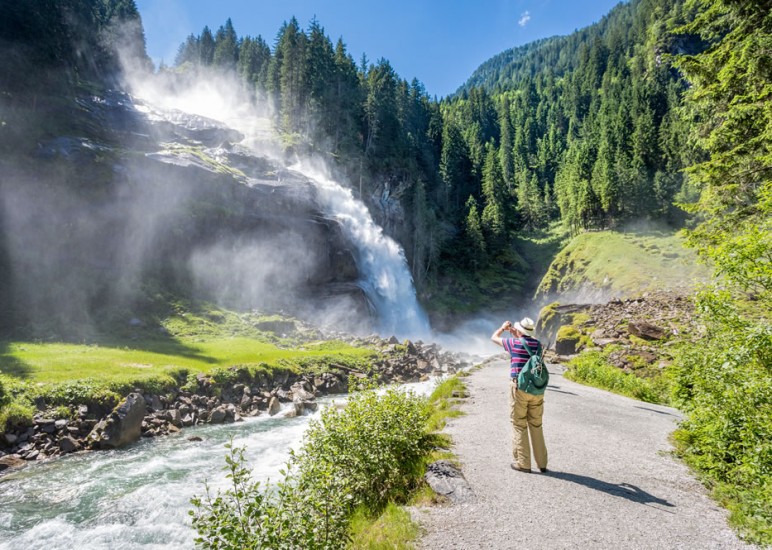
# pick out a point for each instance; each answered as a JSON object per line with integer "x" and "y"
{"x": 139, "y": 497}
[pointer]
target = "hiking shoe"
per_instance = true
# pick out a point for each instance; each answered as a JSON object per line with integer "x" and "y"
{"x": 519, "y": 469}
{"x": 543, "y": 470}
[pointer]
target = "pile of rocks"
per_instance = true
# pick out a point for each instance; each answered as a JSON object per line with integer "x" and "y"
{"x": 655, "y": 319}
{"x": 282, "y": 392}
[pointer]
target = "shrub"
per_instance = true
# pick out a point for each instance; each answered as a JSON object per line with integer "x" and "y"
{"x": 359, "y": 457}
{"x": 724, "y": 384}
{"x": 18, "y": 412}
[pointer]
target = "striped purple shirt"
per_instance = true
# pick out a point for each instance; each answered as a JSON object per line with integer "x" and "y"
{"x": 517, "y": 353}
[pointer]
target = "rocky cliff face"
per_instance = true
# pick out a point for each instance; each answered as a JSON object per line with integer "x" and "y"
{"x": 125, "y": 200}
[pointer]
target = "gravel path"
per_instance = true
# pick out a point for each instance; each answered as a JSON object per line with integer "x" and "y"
{"x": 612, "y": 482}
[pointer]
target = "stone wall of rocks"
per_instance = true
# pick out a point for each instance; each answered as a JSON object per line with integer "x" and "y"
{"x": 283, "y": 392}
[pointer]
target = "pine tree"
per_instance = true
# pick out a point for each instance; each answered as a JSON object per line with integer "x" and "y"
{"x": 226, "y": 51}
{"x": 732, "y": 96}
{"x": 206, "y": 47}
{"x": 494, "y": 215}
{"x": 475, "y": 237}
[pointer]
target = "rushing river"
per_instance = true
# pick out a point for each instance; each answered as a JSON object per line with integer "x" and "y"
{"x": 137, "y": 497}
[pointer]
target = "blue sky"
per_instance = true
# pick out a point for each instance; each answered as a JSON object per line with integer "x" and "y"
{"x": 438, "y": 42}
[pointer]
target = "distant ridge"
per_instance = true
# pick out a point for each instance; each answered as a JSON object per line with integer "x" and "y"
{"x": 557, "y": 54}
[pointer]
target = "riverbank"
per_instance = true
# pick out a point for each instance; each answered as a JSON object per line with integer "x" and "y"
{"x": 92, "y": 416}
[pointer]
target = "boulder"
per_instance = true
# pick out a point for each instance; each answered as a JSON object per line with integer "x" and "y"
{"x": 68, "y": 445}
{"x": 122, "y": 426}
{"x": 274, "y": 406}
{"x": 154, "y": 402}
{"x": 567, "y": 340}
{"x": 645, "y": 330}
{"x": 174, "y": 416}
{"x": 11, "y": 461}
{"x": 47, "y": 425}
{"x": 217, "y": 416}
{"x": 447, "y": 480}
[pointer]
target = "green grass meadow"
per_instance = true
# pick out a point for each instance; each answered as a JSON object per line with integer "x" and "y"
{"x": 624, "y": 263}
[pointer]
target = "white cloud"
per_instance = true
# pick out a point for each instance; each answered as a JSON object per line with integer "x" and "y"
{"x": 524, "y": 18}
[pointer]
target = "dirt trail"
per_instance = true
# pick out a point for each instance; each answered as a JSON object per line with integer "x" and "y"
{"x": 612, "y": 481}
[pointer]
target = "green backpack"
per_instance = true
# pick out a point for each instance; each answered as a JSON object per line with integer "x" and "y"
{"x": 534, "y": 377}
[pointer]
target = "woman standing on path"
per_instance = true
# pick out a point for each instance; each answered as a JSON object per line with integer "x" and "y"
{"x": 526, "y": 410}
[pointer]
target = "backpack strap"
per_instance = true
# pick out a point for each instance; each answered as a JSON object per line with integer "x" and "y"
{"x": 525, "y": 345}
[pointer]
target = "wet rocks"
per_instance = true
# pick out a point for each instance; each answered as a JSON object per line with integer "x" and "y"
{"x": 122, "y": 426}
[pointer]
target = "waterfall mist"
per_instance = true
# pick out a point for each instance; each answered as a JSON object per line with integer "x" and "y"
{"x": 181, "y": 188}
{"x": 276, "y": 268}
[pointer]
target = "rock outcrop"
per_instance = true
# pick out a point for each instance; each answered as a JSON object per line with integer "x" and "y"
{"x": 447, "y": 480}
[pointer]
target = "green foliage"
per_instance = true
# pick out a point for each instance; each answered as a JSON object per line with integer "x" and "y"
{"x": 724, "y": 384}
{"x": 357, "y": 458}
{"x": 568, "y": 332}
{"x": 724, "y": 381}
{"x": 592, "y": 368}
{"x": 17, "y": 412}
{"x": 443, "y": 401}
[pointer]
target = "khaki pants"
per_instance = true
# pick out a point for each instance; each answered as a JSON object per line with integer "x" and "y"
{"x": 526, "y": 411}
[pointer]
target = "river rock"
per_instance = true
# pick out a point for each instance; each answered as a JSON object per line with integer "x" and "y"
{"x": 122, "y": 426}
{"x": 246, "y": 402}
{"x": 174, "y": 416}
{"x": 47, "y": 425}
{"x": 154, "y": 402}
{"x": 11, "y": 461}
{"x": 274, "y": 406}
{"x": 11, "y": 438}
{"x": 68, "y": 445}
{"x": 217, "y": 416}
{"x": 445, "y": 479}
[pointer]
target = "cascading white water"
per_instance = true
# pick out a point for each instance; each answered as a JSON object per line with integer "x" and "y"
{"x": 385, "y": 277}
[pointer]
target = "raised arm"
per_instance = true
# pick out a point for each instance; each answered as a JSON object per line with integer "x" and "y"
{"x": 496, "y": 336}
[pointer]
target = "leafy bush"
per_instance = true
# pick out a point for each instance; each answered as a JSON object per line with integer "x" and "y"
{"x": 724, "y": 384}
{"x": 359, "y": 457}
{"x": 592, "y": 368}
{"x": 88, "y": 391}
{"x": 18, "y": 412}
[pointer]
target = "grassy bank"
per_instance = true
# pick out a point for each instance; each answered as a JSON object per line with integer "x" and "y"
{"x": 593, "y": 369}
{"x": 154, "y": 358}
{"x": 616, "y": 263}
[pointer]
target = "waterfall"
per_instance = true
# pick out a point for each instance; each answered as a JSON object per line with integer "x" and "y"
{"x": 385, "y": 277}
